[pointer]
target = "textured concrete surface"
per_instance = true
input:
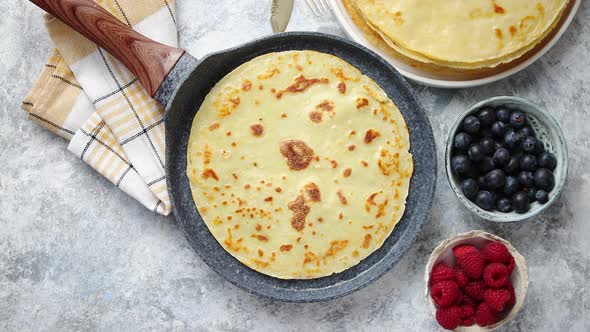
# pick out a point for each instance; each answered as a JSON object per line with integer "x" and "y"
{"x": 77, "y": 254}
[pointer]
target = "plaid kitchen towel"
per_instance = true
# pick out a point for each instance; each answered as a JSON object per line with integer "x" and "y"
{"x": 88, "y": 97}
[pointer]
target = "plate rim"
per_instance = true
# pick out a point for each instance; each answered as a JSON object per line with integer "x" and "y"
{"x": 353, "y": 32}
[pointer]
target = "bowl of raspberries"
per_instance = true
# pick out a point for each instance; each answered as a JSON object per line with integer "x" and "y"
{"x": 475, "y": 281}
{"x": 506, "y": 159}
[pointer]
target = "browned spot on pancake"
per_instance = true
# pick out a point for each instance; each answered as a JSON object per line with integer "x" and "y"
{"x": 301, "y": 84}
{"x": 370, "y": 135}
{"x": 273, "y": 90}
{"x": 513, "y": 30}
{"x": 229, "y": 217}
{"x": 256, "y": 102}
{"x": 260, "y": 237}
{"x": 286, "y": 247}
{"x": 214, "y": 126}
{"x": 260, "y": 263}
{"x": 260, "y": 87}
{"x": 316, "y": 158}
{"x": 268, "y": 74}
{"x": 298, "y": 154}
{"x": 260, "y": 253}
{"x": 397, "y": 17}
{"x": 347, "y": 172}
{"x": 258, "y": 227}
{"x": 257, "y": 129}
{"x": 335, "y": 247}
{"x": 217, "y": 221}
{"x": 352, "y": 133}
{"x": 255, "y": 164}
{"x": 367, "y": 241}
{"x": 361, "y": 102}
{"x": 228, "y": 133}
{"x": 341, "y": 87}
{"x": 236, "y": 226}
{"x": 298, "y": 67}
{"x": 246, "y": 85}
{"x": 498, "y": 33}
{"x": 305, "y": 246}
{"x": 370, "y": 202}
{"x": 364, "y": 163}
{"x": 315, "y": 116}
{"x": 351, "y": 147}
{"x": 340, "y": 74}
{"x": 247, "y": 186}
{"x": 207, "y": 155}
{"x": 283, "y": 115}
{"x": 209, "y": 173}
{"x": 234, "y": 175}
{"x": 320, "y": 219}
{"x": 309, "y": 257}
{"x": 355, "y": 253}
{"x": 234, "y": 144}
{"x": 388, "y": 162}
{"x": 368, "y": 227}
{"x": 300, "y": 211}
{"x": 235, "y": 101}
{"x": 241, "y": 202}
{"x": 312, "y": 192}
{"x": 268, "y": 199}
{"x": 229, "y": 243}
{"x": 341, "y": 197}
{"x": 498, "y": 9}
{"x": 326, "y": 106}
{"x": 278, "y": 189}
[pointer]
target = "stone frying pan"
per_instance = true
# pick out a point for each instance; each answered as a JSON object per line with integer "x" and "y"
{"x": 180, "y": 83}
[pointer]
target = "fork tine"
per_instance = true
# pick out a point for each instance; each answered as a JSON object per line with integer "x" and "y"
{"x": 326, "y": 5}
{"x": 312, "y": 5}
{"x": 321, "y": 7}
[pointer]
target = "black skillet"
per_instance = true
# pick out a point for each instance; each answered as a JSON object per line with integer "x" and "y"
{"x": 181, "y": 82}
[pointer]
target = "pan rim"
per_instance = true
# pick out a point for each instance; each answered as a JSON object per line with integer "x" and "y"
{"x": 394, "y": 253}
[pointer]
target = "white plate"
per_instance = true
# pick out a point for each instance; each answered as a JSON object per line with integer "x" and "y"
{"x": 434, "y": 80}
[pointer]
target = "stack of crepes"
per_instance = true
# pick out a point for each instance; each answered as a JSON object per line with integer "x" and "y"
{"x": 457, "y": 34}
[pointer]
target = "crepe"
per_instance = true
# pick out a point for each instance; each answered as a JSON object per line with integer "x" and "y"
{"x": 299, "y": 164}
{"x": 461, "y": 34}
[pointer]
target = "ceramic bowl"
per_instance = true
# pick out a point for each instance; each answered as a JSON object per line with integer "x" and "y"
{"x": 444, "y": 253}
{"x": 546, "y": 129}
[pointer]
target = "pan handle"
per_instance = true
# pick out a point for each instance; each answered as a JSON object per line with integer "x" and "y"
{"x": 147, "y": 59}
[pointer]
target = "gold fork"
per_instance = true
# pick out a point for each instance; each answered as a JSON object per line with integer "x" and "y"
{"x": 318, "y": 7}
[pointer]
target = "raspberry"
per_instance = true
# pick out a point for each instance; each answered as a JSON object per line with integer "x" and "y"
{"x": 512, "y": 300}
{"x": 496, "y": 252}
{"x": 441, "y": 272}
{"x": 484, "y": 316}
{"x": 449, "y": 318}
{"x": 467, "y": 311}
{"x": 475, "y": 289}
{"x": 473, "y": 264}
{"x": 496, "y": 275}
{"x": 496, "y": 299}
{"x": 510, "y": 265}
{"x": 468, "y": 321}
{"x": 462, "y": 249}
{"x": 468, "y": 300}
{"x": 459, "y": 298}
{"x": 444, "y": 293}
{"x": 461, "y": 277}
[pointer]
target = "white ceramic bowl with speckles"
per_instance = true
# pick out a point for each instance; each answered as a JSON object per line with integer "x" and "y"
{"x": 519, "y": 277}
{"x": 547, "y": 130}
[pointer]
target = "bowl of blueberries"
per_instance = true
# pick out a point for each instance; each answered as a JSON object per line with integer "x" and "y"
{"x": 506, "y": 159}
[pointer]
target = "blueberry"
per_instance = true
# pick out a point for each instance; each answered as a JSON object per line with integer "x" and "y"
{"x": 547, "y": 160}
{"x": 504, "y": 205}
{"x": 526, "y": 132}
{"x": 497, "y": 145}
{"x": 526, "y": 179}
{"x": 513, "y": 165}
{"x": 520, "y": 202}
{"x": 460, "y": 164}
{"x": 462, "y": 141}
{"x": 481, "y": 182}
{"x": 529, "y": 144}
{"x": 488, "y": 146}
{"x": 528, "y": 162}
{"x": 511, "y": 185}
{"x": 539, "y": 147}
{"x": 517, "y": 119}
{"x": 501, "y": 157}
{"x": 485, "y": 132}
{"x": 475, "y": 152}
{"x": 495, "y": 179}
{"x": 485, "y": 200}
{"x": 503, "y": 114}
{"x": 544, "y": 179}
{"x": 511, "y": 139}
{"x": 469, "y": 188}
{"x": 542, "y": 196}
{"x": 499, "y": 129}
{"x": 486, "y": 164}
{"x": 486, "y": 116}
{"x": 531, "y": 194}
{"x": 471, "y": 124}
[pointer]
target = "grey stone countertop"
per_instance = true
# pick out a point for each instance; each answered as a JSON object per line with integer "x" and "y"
{"x": 78, "y": 254}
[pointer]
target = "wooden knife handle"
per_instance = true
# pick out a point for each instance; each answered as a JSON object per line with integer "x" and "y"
{"x": 147, "y": 59}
